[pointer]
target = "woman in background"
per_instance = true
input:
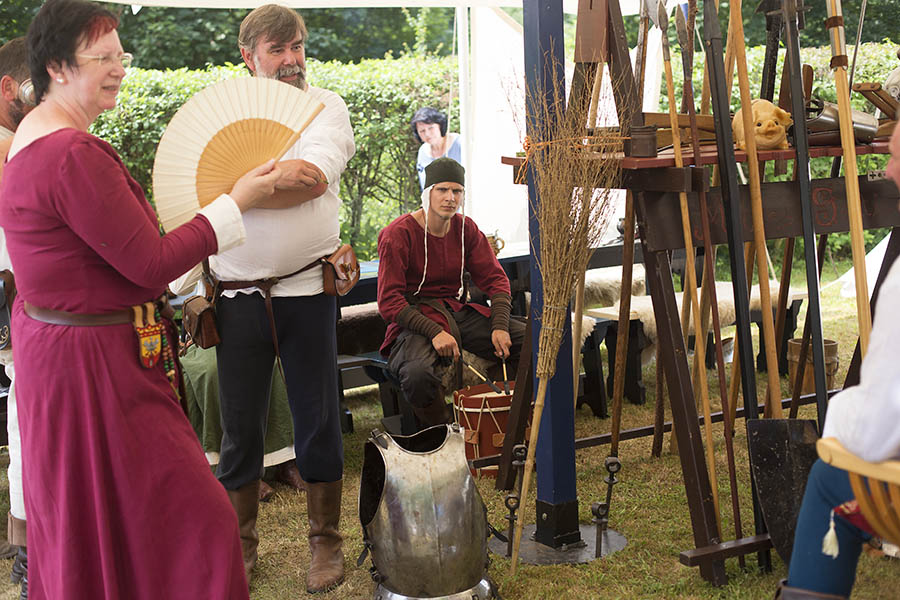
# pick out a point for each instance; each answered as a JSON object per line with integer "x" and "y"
{"x": 429, "y": 127}
{"x": 120, "y": 498}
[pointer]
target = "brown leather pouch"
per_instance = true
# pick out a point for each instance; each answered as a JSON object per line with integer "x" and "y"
{"x": 7, "y": 295}
{"x": 340, "y": 271}
{"x": 199, "y": 317}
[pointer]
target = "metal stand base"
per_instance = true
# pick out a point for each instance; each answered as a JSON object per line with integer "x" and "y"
{"x": 534, "y": 553}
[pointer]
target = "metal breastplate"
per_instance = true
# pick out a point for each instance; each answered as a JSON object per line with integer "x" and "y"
{"x": 422, "y": 515}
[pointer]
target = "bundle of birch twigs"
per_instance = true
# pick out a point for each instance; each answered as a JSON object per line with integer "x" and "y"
{"x": 574, "y": 174}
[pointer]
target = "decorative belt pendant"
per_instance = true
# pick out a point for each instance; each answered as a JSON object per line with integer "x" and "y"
{"x": 149, "y": 332}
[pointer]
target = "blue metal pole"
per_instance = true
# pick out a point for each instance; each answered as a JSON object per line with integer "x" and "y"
{"x": 557, "y": 505}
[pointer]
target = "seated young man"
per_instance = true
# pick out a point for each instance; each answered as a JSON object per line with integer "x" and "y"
{"x": 423, "y": 256}
{"x": 864, "y": 419}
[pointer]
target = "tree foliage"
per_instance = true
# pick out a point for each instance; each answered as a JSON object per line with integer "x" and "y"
{"x": 380, "y": 182}
{"x": 171, "y": 38}
{"x": 16, "y": 16}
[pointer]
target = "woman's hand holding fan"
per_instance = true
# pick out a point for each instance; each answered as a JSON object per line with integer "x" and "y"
{"x": 255, "y": 185}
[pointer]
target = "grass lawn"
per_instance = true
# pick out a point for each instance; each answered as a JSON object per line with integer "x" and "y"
{"x": 649, "y": 508}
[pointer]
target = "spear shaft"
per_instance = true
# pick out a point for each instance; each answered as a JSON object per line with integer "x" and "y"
{"x": 684, "y": 39}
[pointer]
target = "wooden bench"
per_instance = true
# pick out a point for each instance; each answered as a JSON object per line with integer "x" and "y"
{"x": 642, "y": 333}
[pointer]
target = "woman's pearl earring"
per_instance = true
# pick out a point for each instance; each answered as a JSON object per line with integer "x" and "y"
{"x": 60, "y": 80}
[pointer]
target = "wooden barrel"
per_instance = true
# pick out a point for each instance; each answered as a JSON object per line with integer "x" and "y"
{"x": 482, "y": 413}
{"x": 831, "y": 365}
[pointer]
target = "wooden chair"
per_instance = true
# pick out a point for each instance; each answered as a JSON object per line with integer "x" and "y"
{"x": 875, "y": 485}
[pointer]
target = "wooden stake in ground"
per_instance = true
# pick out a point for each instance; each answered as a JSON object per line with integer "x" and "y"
{"x": 759, "y": 234}
{"x": 573, "y": 175}
{"x": 835, "y": 25}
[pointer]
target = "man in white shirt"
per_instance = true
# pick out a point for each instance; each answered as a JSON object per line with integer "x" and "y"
{"x": 864, "y": 418}
{"x": 15, "y": 102}
{"x": 297, "y": 226}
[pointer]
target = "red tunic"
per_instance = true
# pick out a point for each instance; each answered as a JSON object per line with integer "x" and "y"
{"x": 121, "y": 502}
{"x": 401, "y": 251}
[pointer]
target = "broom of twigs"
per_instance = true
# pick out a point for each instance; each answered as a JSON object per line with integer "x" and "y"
{"x": 573, "y": 174}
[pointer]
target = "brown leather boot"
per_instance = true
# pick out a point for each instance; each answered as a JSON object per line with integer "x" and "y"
{"x": 326, "y": 567}
{"x": 245, "y": 501}
{"x": 16, "y": 530}
{"x": 288, "y": 474}
{"x": 785, "y": 592}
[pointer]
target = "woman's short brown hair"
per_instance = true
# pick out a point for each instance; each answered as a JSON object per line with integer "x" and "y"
{"x": 56, "y": 32}
{"x": 272, "y": 22}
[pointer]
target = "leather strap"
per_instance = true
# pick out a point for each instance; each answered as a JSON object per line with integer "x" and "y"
{"x": 266, "y": 286}
{"x": 117, "y": 317}
{"x": 835, "y": 21}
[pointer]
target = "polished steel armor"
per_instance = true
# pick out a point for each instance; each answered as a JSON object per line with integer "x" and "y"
{"x": 423, "y": 518}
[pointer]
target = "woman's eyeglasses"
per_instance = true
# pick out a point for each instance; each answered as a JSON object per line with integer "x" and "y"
{"x": 125, "y": 59}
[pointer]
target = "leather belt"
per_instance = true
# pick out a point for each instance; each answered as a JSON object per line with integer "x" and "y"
{"x": 116, "y": 317}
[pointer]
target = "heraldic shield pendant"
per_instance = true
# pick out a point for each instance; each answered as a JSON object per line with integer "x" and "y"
{"x": 423, "y": 519}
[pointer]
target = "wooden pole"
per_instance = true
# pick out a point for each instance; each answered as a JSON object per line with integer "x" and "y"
{"x": 624, "y": 324}
{"x": 735, "y": 388}
{"x": 835, "y": 25}
{"x": 579, "y": 289}
{"x": 691, "y": 275}
{"x": 709, "y": 299}
{"x": 759, "y": 234}
{"x": 529, "y": 467}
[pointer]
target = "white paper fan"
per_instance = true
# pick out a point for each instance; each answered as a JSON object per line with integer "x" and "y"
{"x": 221, "y": 133}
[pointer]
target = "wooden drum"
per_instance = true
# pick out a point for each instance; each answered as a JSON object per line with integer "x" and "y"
{"x": 482, "y": 413}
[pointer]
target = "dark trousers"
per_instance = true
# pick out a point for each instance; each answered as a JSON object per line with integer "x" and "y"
{"x": 826, "y": 488}
{"x": 307, "y": 341}
{"x": 417, "y": 365}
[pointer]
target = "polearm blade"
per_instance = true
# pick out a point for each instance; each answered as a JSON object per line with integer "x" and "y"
{"x": 640, "y": 62}
{"x": 684, "y": 38}
{"x": 835, "y": 25}
{"x": 801, "y": 144}
{"x": 771, "y": 9}
{"x": 687, "y": 49}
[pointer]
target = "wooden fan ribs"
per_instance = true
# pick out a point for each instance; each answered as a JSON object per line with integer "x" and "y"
{"x": 234, "y": 150}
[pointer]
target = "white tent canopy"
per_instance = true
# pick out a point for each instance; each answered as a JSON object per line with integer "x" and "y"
{"x": 571, "y": 5}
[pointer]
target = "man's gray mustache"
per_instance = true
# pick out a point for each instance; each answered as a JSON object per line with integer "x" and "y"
{"x": 288, "y": 71}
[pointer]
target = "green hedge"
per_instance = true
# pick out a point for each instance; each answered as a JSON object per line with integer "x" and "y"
{"x": 380, "y": 181}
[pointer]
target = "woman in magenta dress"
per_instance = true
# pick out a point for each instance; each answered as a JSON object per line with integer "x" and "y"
{"x": 121, "y": 500}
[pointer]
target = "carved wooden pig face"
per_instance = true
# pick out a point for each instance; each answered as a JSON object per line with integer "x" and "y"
{"x": 770, "y": 123}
